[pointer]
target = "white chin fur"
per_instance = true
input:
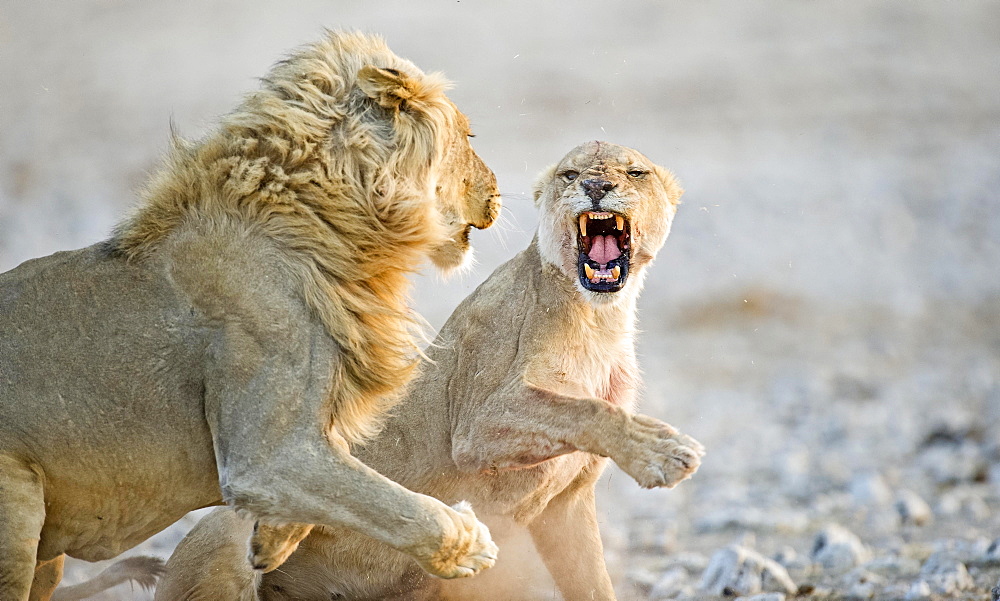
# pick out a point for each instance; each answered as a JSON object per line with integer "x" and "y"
{"x": 608, "y": 299}
{"x": 460, "y": 267}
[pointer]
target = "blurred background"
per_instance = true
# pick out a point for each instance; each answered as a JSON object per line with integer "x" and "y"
{"x": 825, "y": 316}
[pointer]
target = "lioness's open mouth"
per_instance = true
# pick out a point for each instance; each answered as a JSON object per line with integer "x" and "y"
{"x": 605, "y": 247}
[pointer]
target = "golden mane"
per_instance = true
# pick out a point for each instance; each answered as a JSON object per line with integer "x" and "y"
{"x": 334, "y": 160}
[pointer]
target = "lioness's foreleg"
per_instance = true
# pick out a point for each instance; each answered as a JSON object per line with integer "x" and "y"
{"x": 22, "y": 515}
{"x": 531, "y": 424}
{"x": 567, "y": 537}
{"x": 271, "y": 545}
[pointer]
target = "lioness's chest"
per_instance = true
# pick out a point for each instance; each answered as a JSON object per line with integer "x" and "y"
{"x": 590, "y": 366}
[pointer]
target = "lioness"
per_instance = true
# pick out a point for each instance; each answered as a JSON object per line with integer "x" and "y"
{"x": 532, "y": 384}
{"x": 245, "y": 325}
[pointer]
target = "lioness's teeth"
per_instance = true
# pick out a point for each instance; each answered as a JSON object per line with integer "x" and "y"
{"x": 619, "y": 222}
{"x": 589, "y": 271}
{"x": 616, "y": 271}
{"x": 583, "y": 224}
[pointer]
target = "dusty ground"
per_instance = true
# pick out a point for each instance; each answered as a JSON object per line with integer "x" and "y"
{"x": 825, "y": 316}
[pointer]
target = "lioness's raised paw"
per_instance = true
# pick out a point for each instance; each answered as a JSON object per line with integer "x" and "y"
{"x": 662, "y": 456}
{"x": 467, "y": 551}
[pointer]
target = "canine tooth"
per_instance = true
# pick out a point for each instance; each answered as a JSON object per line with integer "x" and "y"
{"x": 620, "y": 222}
{"x": 583, "y": 224}
{"x": 589, "y": 271}
{"x": 615, "y": 272}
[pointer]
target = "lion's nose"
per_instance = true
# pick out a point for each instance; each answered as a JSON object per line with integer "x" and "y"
{"x": 597, "y": 188}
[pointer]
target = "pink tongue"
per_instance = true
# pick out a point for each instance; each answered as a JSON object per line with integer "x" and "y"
{"x": 604, "y": 249}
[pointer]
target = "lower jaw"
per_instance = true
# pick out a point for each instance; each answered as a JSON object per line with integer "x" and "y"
{"x": 603, "y": 285}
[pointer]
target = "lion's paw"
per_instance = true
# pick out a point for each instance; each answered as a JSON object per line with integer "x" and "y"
{"x": 470, "y": 550}
{"x": 664, "y": 457}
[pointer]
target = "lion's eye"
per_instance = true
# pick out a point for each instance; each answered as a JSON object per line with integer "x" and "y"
{"x": 570, "y": 175}
{"x": 636, "y": 173}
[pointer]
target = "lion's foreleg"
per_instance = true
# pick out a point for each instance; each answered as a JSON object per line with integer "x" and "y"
{"x": 267, "y": 406}
{"x": 323, "y": 488}
{"x": 567, "y": 537}
{"x": 531, "y": 424}
{"x": 22, "y": 514}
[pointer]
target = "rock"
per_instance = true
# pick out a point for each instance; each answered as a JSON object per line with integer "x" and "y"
{"x": 690, "y": 561}
{"x": 837, "y": 548}
{"x": 763, "y": 597}
{"x": 671, "y": 584}
{"x": 870, "y": 489}
{"x": 893, "y": 566}
{"x": 862, "y": 584}
{"x": 795, "y": 471}
{"x": 993, "y": 474}
{"x": 913, "y": 509}
{"x": 788, "y": 557}
{"x": 945, "y": 575}
{"x": 951, "y": 463}
{"x": 895, "y": 590}
{"x": 755, "y": 519}
{"x": 992, "y": 556}
{"x": 643, "y": 578}
{"x": 652, "y": 538}
{"x": 919, "y": 591}
{"x": 995, "y": 592}
{"x": 737, "y": 570}
{"x": 964, "y": 501}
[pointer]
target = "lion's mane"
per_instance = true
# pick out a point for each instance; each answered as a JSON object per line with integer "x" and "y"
{"x": 310, "y": 161}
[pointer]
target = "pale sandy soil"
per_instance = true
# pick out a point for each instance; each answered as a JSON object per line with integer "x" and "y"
{"x": 825, "y": 316}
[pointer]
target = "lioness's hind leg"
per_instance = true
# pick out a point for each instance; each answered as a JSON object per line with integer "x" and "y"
{"x": 47, "y": 577}
{"x": 22, "y": 514}
{"x": 271, "y": 545}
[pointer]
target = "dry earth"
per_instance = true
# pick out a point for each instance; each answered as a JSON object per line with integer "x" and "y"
{"x": 825, "y": 316}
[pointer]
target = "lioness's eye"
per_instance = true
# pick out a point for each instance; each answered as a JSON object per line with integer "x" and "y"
{"x": 636, "y": 173}
{"x": 570, "y": 175}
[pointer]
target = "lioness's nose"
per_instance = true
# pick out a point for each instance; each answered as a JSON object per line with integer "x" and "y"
{"x": 597, "y": 188}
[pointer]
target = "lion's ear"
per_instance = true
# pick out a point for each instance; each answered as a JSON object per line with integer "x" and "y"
{"x": 542, "y": 179}
{"x": 670, "y": 184}
{"x": 388, "y": 87}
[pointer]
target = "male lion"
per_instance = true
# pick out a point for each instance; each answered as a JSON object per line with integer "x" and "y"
{"x": 532, "y": 383}
{"x": 243, "y": 327}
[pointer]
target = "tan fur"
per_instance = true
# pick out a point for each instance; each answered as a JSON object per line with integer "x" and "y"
{"x": 244, "y": 325}
{"x": 532, "y": 384}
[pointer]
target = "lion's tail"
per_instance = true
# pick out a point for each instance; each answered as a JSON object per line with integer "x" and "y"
{"x": 142, "y": 570}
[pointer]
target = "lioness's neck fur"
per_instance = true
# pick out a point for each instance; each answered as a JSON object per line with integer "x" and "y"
{"x": 295, "y": 163}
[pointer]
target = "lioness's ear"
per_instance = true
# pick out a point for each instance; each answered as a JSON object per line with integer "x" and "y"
{"x": 670, "y": 184}
{"x": 388, "y": 87}
{"x": 542, "y": 179}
